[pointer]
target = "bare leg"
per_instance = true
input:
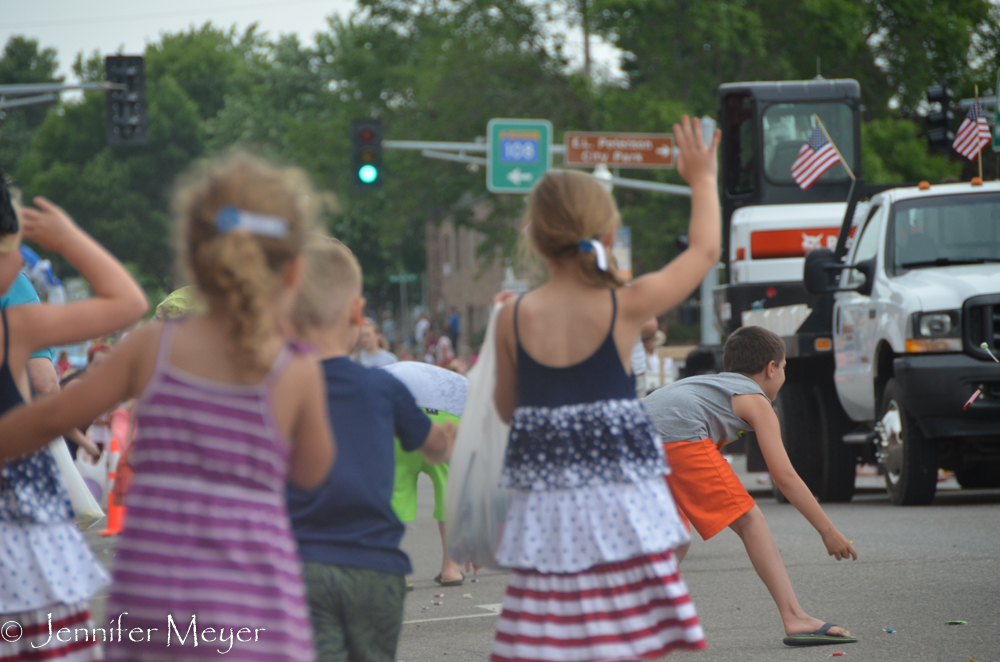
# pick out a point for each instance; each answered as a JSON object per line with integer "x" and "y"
{"x": 450, "y": 570}
{"x": 682, "y": 551}
{"x": 763, "y": 551}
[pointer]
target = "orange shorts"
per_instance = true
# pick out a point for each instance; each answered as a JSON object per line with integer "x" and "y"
{"x": 704, "y": 486}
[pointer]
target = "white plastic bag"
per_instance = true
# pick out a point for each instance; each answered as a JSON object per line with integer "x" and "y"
{"x": 88, "y": 511}
{"x": 475, "y": 504}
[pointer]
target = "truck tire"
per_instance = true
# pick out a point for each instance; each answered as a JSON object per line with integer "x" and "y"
{"x": 978, "y": 475}
{"x": 796, "y": 405}
{"x": 838, "y": 466}
{"x": 910, "y": 461}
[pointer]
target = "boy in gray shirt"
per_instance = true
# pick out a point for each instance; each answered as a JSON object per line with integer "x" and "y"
{"x": 696, "y": 417}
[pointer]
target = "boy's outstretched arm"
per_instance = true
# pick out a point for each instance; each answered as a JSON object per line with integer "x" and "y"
{"x": 436, "y": 449}
{"x": 756, "y": 410}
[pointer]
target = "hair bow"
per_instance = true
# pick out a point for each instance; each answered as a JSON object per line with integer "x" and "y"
{"x": 596, "y": 247}
{"x": 231, "y": 218}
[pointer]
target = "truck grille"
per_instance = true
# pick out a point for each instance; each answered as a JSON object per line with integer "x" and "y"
{"x": 982, "y": 324}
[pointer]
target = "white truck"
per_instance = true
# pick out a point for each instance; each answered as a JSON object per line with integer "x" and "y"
{"x": 884, "y": 330}
{"x": 916, "y": 327}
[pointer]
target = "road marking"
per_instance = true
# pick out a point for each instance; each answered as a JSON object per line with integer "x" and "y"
{"x": 496, "y": 607}
{"x": 449, "y": 618}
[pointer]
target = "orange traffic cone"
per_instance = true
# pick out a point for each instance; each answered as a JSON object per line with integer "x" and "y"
{"x": 116, "y": 513}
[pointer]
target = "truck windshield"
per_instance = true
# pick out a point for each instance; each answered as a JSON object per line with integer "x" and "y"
{"x": 787, "y": 126}
{"x": 946, "y": 230}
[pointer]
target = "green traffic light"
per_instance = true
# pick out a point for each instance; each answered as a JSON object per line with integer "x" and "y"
{"x": 368, "y": 174}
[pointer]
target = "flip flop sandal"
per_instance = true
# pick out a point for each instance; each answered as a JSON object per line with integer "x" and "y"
{"x": 818, "y": 638}
{"x": 453, "y": 582}
{"x": 409, "y": 587}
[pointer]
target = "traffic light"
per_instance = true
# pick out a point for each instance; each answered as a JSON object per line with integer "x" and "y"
{"x": 126, "y": 108}
{"x": 940, "y": 115}
{"x": 366, "y": 153}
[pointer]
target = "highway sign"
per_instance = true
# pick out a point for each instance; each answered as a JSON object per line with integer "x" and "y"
{"x": 519, "y": 152}
{"x": 619, "y": 150}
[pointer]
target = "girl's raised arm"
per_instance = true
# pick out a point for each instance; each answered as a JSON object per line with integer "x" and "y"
{"x": 118, "y": 300}
{"x": 655, "y": 293}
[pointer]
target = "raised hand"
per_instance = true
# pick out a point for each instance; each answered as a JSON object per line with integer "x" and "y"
{"x": 48, "y": 226}
{"x": 697, "y": 161}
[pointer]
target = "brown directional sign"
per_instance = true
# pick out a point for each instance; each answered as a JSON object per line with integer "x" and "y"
{"x": 619, "y": 150}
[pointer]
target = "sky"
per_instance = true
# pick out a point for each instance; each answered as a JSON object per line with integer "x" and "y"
{"x": 72, "y": 26}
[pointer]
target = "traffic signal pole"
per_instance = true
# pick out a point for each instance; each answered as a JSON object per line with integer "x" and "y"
{"x": 45, "y": 92}
{"x": 459, "y": 152}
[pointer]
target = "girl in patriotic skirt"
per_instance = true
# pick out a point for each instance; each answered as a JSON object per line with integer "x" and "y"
{"x": 47, "y": 571}
{"x": 592, "y": 527}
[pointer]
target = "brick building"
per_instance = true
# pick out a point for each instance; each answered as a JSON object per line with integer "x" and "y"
{"x": 457, "y": 277}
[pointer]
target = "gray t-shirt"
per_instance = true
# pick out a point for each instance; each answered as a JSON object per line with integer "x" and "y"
{"x": 700, "y": 408}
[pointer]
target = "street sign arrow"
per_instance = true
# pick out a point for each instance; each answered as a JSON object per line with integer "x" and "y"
{"x": 518, "y": 154}
{"x": 516, "y": 177}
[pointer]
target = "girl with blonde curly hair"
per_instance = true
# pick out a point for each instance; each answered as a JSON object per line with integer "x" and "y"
{"x": 227, "y": 411}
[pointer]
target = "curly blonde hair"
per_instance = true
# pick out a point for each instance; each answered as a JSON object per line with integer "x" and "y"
{"x": 239, "y": 273}
{"x": 567, "y": 207}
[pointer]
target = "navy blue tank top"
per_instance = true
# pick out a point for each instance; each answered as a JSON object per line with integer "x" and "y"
{"x": 31, "y": 489}
{"x": 601, "y": 376}
{"x": 10, "y": 396}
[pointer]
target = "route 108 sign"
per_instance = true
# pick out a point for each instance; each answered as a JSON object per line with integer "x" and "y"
{"x": 519, "y": 153}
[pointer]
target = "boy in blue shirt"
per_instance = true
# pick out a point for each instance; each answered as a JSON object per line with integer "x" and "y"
{"x": 347, "y": 533}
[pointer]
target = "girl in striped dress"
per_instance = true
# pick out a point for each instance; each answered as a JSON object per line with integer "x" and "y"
{"x": 226, "y": 412}
{"x": 592, "y": 527}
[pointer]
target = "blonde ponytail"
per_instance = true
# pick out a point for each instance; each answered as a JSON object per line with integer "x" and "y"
{"x": 568, "y": 209}
{"x": 239, "y": 272}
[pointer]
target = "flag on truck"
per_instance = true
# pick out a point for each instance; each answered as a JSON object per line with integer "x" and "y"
{"x": 974, "y": 134}
{"x": 816, "y": 157}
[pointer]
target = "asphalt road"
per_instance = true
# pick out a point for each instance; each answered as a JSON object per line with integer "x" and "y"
{"x": 918, "y": 567}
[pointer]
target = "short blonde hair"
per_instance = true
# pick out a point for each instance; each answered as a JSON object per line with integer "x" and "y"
{"x": 332, "y": 278}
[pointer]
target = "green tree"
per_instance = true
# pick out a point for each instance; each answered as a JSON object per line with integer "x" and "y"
{"x": 893, "y": 151}
{"x": 23, "y": 61}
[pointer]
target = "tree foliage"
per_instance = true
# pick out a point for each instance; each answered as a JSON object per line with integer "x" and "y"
{"x": 439, "y": 70}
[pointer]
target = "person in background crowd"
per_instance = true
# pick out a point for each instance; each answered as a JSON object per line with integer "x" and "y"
{"x": 420, "y": 330}
{"x": 453, "y": 326}
{"x": 444, "y": 348}
{"x": 372, "y": 355}
{"x": 429, "y": 347}
{"x": 389, "y": 330}
{"x": 62, "y": 363}
{"x": 650, "y": 336}
{"x": 637, "y": 362}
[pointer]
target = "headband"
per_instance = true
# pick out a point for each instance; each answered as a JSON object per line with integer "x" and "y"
{"x": 596, "y": 247}
{"x": 231, "y": 218}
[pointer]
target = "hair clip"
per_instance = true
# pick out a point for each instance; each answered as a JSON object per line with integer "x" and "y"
{"x": 592, "y": 245}
{"x": 231, "y": 218}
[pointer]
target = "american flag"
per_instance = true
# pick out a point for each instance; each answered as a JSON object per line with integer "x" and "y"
{"x": 974, "y": 134}
{"x": 816, "y": 157}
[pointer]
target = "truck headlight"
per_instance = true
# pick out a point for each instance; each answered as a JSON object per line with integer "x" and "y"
{"x": 938, "y": 331}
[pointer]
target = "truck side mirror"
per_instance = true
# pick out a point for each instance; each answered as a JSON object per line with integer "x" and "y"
{"x": 867, "y": 268}
{"x": 821, "y": 271}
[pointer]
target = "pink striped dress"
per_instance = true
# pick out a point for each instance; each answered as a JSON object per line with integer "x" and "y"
{"x": 207, "y": 563}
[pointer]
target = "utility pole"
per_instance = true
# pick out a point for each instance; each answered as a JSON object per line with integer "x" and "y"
{"x": 584, "y": 20}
